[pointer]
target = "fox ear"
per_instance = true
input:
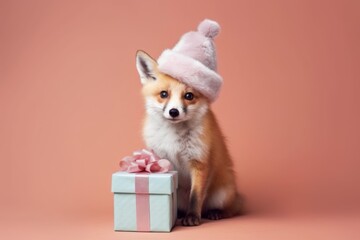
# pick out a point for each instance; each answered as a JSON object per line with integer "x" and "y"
{"x": 146, "y": 66}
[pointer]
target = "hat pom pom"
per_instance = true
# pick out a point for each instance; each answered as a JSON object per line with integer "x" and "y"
{"x": 209, "y": 28}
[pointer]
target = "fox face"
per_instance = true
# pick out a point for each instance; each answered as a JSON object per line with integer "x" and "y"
{"x": 166, "y": 97}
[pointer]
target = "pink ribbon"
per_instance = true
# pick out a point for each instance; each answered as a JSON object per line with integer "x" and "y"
{"x": 142, "y": 202}
{"x": 144, "y": 161}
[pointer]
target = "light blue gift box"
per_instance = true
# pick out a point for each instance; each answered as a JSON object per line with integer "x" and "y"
{"x": 159, "y": 200}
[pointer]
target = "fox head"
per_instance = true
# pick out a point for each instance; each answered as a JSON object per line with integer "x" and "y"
{"x": 166, "y": 97}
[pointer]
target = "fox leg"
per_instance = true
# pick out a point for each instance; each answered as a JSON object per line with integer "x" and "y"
{"x": 223, "y": 204}
{"x": 183, "y": 200}
{"x": 199, "y": 172}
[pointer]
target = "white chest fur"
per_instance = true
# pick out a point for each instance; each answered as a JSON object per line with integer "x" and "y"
{"x": 177, "y": 142}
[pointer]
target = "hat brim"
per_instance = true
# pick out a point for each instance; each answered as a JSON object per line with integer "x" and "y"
{"x": 191, "y": 72}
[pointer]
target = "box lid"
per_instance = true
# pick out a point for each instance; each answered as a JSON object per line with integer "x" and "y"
{"x": 157, "y": 183}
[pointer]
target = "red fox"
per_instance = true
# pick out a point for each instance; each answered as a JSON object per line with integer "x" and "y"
{"x": 181, "y": 127}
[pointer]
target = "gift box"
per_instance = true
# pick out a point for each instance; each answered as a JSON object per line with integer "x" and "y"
{"x": 145, "y": 202}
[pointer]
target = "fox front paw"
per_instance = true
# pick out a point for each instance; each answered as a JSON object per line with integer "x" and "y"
{"x": 191, "y": 219}
{"x": 214, "y": 214}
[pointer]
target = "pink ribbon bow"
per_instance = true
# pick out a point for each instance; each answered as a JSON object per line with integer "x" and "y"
{"x": 144, "y": 160}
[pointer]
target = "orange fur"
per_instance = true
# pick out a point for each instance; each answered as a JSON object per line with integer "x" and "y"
{"x": 220, "y": 165}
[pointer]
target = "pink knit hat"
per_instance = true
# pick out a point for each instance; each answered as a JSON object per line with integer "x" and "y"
{"x": 193, "y": 60}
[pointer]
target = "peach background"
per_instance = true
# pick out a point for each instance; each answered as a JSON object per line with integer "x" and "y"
{"x": 70, "y": 108}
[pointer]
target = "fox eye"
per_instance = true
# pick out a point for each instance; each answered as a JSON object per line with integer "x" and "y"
{"x": 164, "y": 94}
{"x": 189, "y": 96}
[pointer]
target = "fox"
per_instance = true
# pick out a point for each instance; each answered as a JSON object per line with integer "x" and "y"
{"x": 180, "y": 126}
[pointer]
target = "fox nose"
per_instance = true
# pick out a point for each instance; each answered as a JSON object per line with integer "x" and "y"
{"x": 174, "y": 112}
